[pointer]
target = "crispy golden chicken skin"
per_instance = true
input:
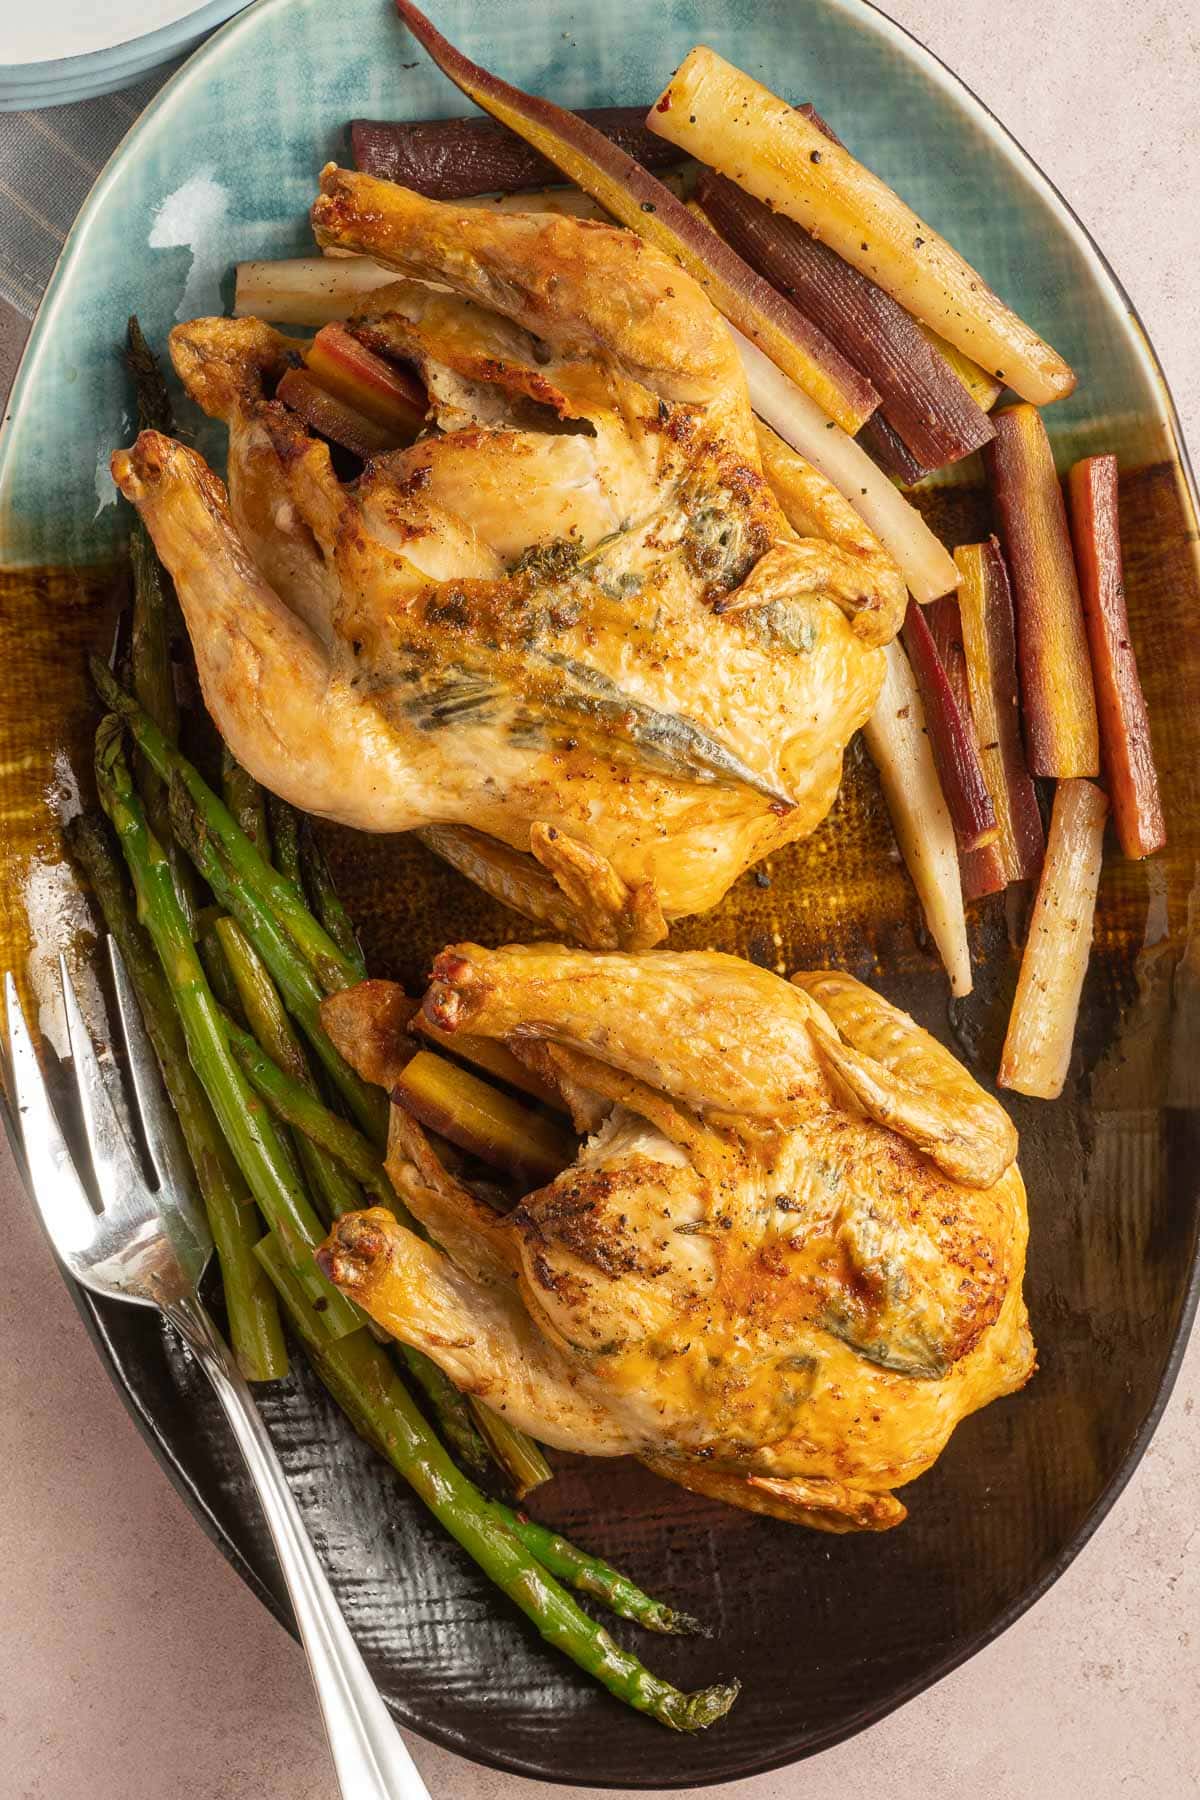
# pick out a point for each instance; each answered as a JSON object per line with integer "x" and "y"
{"x": 785, "y": 1263}
{"x": 572, "y": 632}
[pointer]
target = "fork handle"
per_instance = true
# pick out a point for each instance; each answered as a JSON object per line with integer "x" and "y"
{"x": 370, "y": 1757}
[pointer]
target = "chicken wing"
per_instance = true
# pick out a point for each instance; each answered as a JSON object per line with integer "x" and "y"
{"x": 783, "y": 1266}
{"x": 571, "y": 632}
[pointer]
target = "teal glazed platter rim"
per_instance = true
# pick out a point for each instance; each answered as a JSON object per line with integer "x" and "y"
{"x": 492, "y": 1666}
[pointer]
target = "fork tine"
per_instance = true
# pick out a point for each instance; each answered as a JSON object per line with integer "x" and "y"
{"x": 54, "y": 1185}
{"x": 160, "y": 1129}
{"x": 119, "y": 1178}
{"x": 114, "y": 649}
{"x": 12, "y": 1129}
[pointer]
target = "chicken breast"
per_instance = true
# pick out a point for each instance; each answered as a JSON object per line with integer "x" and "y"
{"x": 785, "y": 1263}
{"x": 573, "y": 632}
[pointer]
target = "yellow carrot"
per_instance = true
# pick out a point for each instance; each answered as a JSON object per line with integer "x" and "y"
{"x": 731, "y": 122}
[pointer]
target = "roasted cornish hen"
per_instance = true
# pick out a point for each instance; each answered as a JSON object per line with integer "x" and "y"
{"x": 572, "y": 631}
{"x": 785, "y": 1263}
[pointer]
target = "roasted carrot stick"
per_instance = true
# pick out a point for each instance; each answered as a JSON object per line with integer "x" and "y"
{"x": 1057, "y": 697}
{"x": 954, "y": 754}
{"x": 1041, "y": 1028}
{"x": 927, "y": 407}
{"x": 384, "y": 392}
{"x": 490, "y": 1055}
{"x": 731, "y": 122}
{"x": 303, "y": 394}
{"x": 1125, "y": 747}
{"x": 449, "y": 159}
{"x": 988, "y": 630}
{"x": 983, "y": 388}
{"x": 885, "y": 446}
{"x": 478, "y": 1118}
{"x": 982, "y": 868}
{"x": 899, "y": 744}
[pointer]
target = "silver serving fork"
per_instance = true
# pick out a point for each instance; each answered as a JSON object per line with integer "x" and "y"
{"x": 149, "y": 1245}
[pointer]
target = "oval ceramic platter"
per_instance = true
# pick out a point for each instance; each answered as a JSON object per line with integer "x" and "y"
{"x": 826, "y": 1633}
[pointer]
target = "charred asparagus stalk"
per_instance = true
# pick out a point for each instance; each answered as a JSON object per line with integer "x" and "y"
{"x": 150, "y": 649}
{"x": 335, "y": 1190}
{"x": 153, "y": 683}
{"x": 254, "y": 873}
{"x": 249, "y": 1131}
{"x": 521, "y": 1458}
{"x": 273, "y": 1045}
{"x": 287, "y": 968}
{"x": 250, "y": 1303}
{"x": 301, "y": 1108}
{"x": 591, "y": 1575}
{"x": 360, "y": 1377}
{"x": 154, "y": 409}
{"x": 284, "y": 824}
{"x": 244, "y": 798}
{"x": 330, "y": 1181}
{"x": 317, "y": 881}
{"x": 220, "y": 977}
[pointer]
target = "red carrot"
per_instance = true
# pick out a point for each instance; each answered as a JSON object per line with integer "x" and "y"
{"x": 989, "y": 647}
{"x": 323, "y": 412}
{"x": 451, "y": 159}
{"x": 1125, "y": 746}
{"x": 967, "y": 797}
{"x": 926, "y": 406}
{"x": 1057, "y": 696}
{"x": 983, "y": 869}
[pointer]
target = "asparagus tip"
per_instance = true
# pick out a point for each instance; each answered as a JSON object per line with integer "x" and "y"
{"x": 109, "y": 740}
{"x": 103, "y": 679}
{"x": 696, "y": 1712}
{"x": 673, "y": 1623}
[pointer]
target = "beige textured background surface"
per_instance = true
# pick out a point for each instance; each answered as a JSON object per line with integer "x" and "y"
{"x": 135, "y": 1666}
